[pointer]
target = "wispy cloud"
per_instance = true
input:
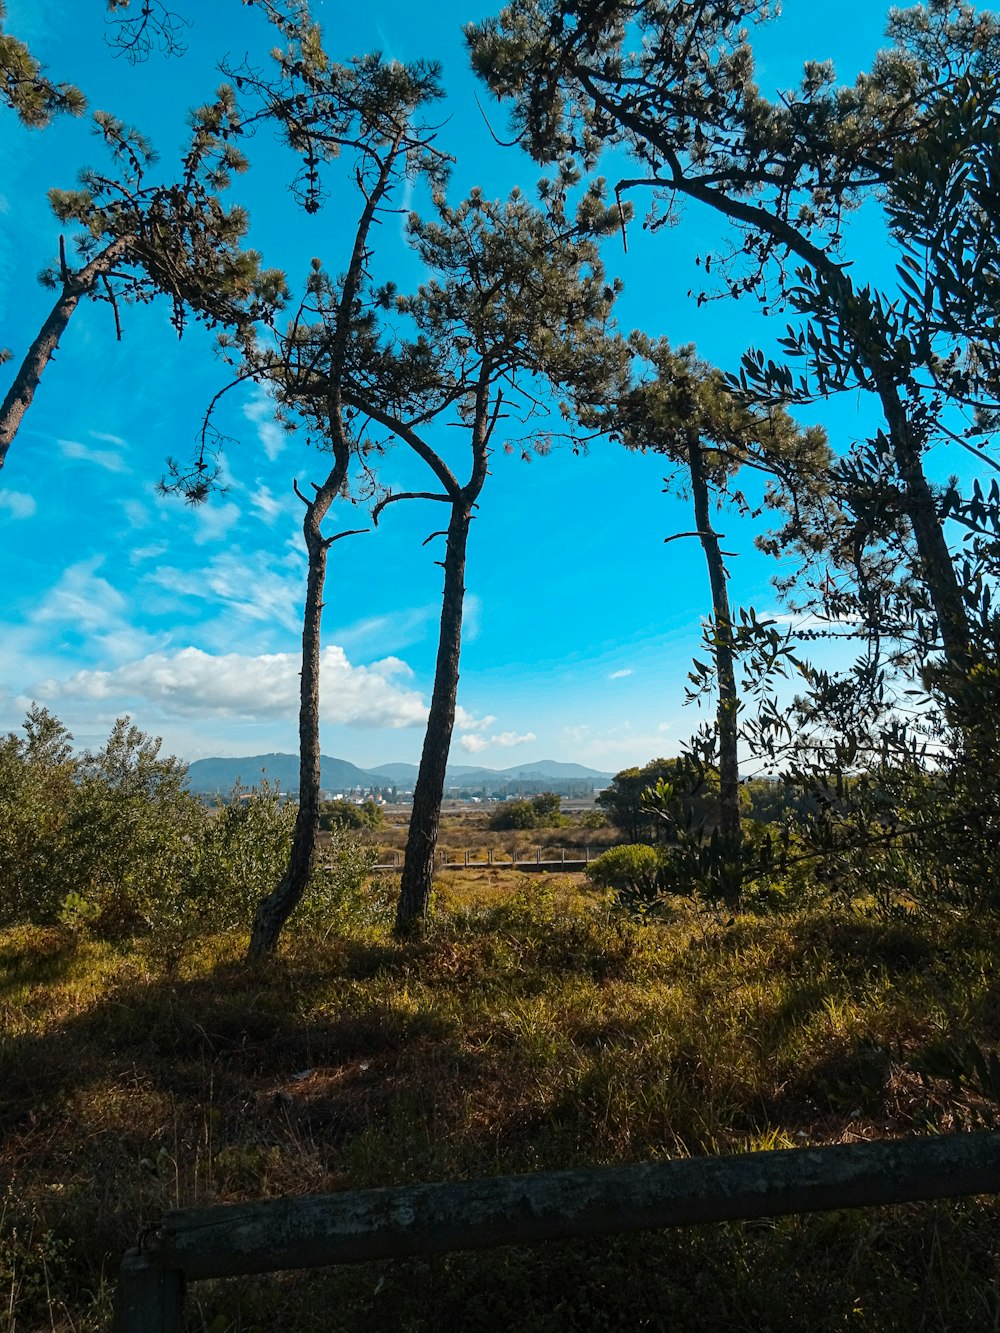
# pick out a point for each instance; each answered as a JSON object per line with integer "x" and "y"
{"x": 268, "y": 507}
{"x": 620, "y": 675}
{"x": 192, "y": 683}
{"x": 18, "y": 504}
{"x": 151, "y": 552}
{"x": 105, "y": 458}
{"x": 260, "y": 411}
{"x": 82, "y": 599}
{"x": 249, "y": 585}
{"x": 214, "y": 521}
{"x": 474, "y": 744}
{"x": 136, "y": 514}
{"x": 389, "y": 632}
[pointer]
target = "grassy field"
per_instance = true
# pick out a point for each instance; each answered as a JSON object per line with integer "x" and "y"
{"x": 534, "y": 1027}
{"x": 466, "y": 829}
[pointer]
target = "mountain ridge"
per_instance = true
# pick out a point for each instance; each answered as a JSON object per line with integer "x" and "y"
{"x": 221, "y": 774}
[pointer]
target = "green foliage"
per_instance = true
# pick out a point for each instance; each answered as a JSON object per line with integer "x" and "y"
{"x": 541, "y": 811}
{"x": 112, "y": 844}
{"x": 694, "y": 800}
{"x": 338, "y": 891}
{"x": 131, "y": 841}
{"x": 27, "y": 90}
{"x": 347, "y": 815}
{"x": 593, "y": 819}
{"x": 244, "y": 849}
{"x": 36, "y": 792}
{"x": 632, "y": 870}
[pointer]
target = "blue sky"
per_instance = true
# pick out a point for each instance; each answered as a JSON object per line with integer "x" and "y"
{"x": 580, "y": 623}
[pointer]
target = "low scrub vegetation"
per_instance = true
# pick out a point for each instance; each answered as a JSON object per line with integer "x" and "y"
{"x": 535, "y": 1026}
{"x": 111, "y": 844}
{"x": 541, "y": 811}
{"x": 537, "y": 1023}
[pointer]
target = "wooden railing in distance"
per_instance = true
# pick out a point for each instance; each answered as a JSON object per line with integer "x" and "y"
{"x": 228, "y": 1240}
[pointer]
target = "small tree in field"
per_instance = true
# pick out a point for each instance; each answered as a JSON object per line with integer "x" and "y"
{"x": 518, "y": 301}
{"x": 683, "y": 409}
{"x": 372, "y": 109}
{"x": 627, "y": 804}
{"x": 672, "y": 83}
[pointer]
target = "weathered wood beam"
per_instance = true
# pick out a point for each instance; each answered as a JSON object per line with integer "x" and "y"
{"x": 148, "y": 1298}
{"x": 357, "y": 1226}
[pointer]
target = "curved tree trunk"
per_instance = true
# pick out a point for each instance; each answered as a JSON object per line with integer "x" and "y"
{"x": 278, "y": 906}
{"x": 421, "y": 842}
{"x": 40, "y": 353}
{"x": 730, "y": 833}
{"x": 936, "y": 565}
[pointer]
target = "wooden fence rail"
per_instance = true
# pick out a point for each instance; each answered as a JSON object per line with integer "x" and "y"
{"x": 556, "y": 858}
{"x": 228, "y": 1240}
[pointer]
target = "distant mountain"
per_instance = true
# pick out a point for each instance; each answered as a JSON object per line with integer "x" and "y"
{"x": 552, "y": 768}
{"x": 221, "y": 775}
{"x": 212, "y": 775}
{"x": 534, "y": 776}
{"x": 396, "y": 773}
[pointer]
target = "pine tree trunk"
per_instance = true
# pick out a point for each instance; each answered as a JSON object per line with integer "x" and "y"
{"x": 21, "y": 393}
{"x": 936, "y": 565}
{"x": 730, "y": 833}
{"x": 421, "y": 842}
{"x": 278, "y": 906}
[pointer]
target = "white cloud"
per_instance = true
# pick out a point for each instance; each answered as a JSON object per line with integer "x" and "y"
{"x": 507, "y": 738}
{"x": 18, "y": 504}
{"x": 472, "y": 617}
{"x": 622, "y": 744}
{"x": 151, "y": 552}
{"x": 105, "y": 458}
{"x": 82, "y": 599}
{"x": 473, "y": 744}
{"x": 193, "y": 683}
{"x": 466, "y": 721}
{"x": 619, "y": 675}
{"x": 213, "y": 521}
{"x": 260, "y": 410}
{"x": 267, "y": 507}
{"x": 249, "y": 585}
{"x": 389, "y": 633}
{"x": 105, "y": 438}
{"x": 136, "y": 513}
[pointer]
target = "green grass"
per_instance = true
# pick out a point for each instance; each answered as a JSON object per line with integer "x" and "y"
{"x": 528, "y": 1030}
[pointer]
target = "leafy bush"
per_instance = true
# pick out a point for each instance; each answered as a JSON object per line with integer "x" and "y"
{"x": 633, "y": 870}
{"x": 337, "y": 889}
{"x": 112, "y": 843}
{"x": 132, "y": 840}
{"x": 36, "y": 791}
{"x": 593, "y": 819}
{"x": 695, "y": 791}
{"x": 244, "y": 851}
{"x": 347, "y": 815}
{"x": 541, "y": 811}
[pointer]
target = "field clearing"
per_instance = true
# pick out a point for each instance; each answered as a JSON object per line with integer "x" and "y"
{"x": 535, "y": 1026}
